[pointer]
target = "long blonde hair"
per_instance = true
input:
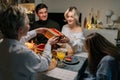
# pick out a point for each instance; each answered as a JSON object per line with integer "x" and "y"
{"x": 76, "y": 13}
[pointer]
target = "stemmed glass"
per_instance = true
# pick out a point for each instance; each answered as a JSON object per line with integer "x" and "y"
{"x": 61, "y": 53}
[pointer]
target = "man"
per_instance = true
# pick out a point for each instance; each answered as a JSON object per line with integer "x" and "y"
{"x": 42, "y": 13}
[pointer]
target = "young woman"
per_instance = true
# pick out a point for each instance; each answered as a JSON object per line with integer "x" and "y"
{"x": 73, "y": 29}
{"x": 103, "y": 58}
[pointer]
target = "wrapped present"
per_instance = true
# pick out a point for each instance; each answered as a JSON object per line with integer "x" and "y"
{"x": 40, "y": 47}
{"x": 52, "y": 32}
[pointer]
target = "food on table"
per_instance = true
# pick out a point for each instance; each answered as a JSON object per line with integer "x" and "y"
{"x": 29, "y": 45}
{"x": 52, "y": 64}
{"x": 36, "y": 48}
{"x": 68, "y": 59}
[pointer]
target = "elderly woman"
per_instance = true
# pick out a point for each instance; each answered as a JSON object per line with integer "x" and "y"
{"x": 17, "y": 62}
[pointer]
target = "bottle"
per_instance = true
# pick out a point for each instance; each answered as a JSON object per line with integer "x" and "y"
{"x": 92, "y": 20}
{"x": 95, "y": 22}
{"x": 85, "y": 22}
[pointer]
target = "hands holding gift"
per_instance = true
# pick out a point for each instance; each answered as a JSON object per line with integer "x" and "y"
{"x": 55, "y": 37}
{"x": 64, "y": 39}
{"x": 52, "y": 32}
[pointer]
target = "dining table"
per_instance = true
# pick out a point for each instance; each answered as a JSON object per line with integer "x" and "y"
{"x": 71, "y": 71}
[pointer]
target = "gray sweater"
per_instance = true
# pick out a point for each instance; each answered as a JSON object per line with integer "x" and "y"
{"x": 17, "y": 62}
{"x": 108, "y": 69}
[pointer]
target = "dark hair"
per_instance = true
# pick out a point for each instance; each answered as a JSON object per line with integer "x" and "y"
{"x": 40, "y": 6}
{"x": 97, "y": 47}
{"x": 11, "y": 20}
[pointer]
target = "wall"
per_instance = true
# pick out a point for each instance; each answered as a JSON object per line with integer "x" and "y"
{"x": 104, "y": 32}
{"x": 37, "y": 2}
{"x": 84, "y": 6}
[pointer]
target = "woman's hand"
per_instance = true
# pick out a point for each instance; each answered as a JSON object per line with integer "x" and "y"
{"x": 64, "y": 39}
{"x": 53, "y": 40}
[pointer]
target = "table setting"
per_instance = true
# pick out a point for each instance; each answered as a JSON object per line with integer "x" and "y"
{"x": 65, "y": 65}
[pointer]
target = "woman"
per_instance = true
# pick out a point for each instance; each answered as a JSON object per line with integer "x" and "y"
{"x": 17, "y": 62}
{"x": 103, "y": 58}
{"x": 73, "y": 29}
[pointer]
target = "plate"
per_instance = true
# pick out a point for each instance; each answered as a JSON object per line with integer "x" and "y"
{"x": 73, "y": 62}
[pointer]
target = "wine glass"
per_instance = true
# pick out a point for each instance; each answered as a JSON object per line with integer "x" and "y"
{"x": 61, "y": 53}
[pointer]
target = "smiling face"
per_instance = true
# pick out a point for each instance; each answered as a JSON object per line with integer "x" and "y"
{"x": 42, "y": 14}
{"x": 70, "y": 18}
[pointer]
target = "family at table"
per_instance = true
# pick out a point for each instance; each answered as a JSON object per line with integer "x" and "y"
{"x": 18, "y": 62}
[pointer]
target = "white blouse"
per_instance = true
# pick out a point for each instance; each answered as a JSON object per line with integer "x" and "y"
{"x": 76, "y": 38}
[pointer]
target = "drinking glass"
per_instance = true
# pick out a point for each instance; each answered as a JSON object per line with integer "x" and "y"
{"x": 61, "y": 53}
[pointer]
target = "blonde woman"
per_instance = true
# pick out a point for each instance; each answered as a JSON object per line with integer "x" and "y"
{"x": 73, "y": 29}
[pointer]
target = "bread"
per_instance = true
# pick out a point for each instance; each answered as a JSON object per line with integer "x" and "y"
{"x": 52, "y": 64}
{"x": 69, "y": 49}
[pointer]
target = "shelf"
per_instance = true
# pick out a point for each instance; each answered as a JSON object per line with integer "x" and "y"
{"x": 27, "y": 1}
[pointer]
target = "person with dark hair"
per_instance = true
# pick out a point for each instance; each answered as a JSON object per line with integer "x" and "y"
{"x": 103, "y": 58}
{"x": 42, "y": 13}
{"x": 17, "y": 61}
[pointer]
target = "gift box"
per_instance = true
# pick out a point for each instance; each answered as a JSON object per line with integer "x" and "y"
{"x": 52, "y": 32}
{"x": 40, "y": 47}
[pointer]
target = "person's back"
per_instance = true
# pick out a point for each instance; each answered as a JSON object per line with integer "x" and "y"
{"x": 108, "y": 69}
{"x": 103, "y": 58}
{"x": 42, "y": 13}
{"x": 17, "y": 62}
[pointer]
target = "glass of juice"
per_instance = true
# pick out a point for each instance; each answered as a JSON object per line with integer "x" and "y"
{"x": 61, "y": 53}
